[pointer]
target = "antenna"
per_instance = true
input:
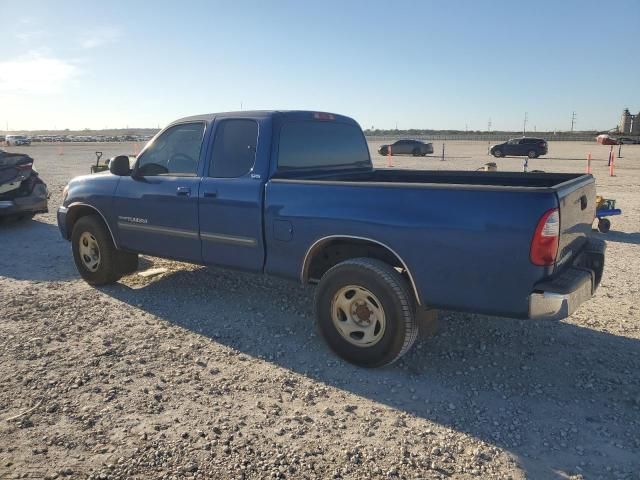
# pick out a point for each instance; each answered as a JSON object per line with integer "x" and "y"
{"x": 573, "y": 120}
{"x": 524, "y": 125}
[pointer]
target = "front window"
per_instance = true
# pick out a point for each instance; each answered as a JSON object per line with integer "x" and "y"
{"x": 176, "y": 152}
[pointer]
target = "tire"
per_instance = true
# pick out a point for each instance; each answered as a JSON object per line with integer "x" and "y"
{"x": 99, "y": 267}
{"x": 498, "y": 153}
{"x": 416, "y": 152}
{"x": 604, "y": 225}
{"x": 385, "y": 300}
{"x": 532, "y": 154}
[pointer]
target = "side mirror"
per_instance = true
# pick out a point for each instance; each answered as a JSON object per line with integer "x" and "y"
{"x": 120, "y": 166}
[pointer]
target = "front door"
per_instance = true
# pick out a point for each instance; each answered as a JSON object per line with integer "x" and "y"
{"x": 157, "y": 207}
{"x": 511, "y": 147}
{"x": 231, "y": 196}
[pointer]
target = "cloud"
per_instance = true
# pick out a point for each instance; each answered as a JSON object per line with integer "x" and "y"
{"x": 101, "y": 36}
{"x": 29, "y": 36}
{"x": 35, "y": 74}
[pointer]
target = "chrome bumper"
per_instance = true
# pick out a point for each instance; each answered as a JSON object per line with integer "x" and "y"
{"x": 560, "y": 296}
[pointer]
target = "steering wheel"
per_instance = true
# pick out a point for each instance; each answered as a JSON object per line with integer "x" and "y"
{"x": 181, "y": 163}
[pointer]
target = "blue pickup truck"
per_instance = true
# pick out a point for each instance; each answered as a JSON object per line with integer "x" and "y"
{"x": 294, "y": 194}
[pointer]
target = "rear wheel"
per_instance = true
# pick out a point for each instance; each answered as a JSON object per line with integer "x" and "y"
{"x": 416, "y": 152}
{"x": 365, "y": 312}
{"x": 532, "y": 154}
{"x": 604, "y": 225}
{"x": 498, "y": 153}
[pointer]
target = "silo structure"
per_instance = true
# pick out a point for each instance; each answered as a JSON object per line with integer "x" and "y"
{"x": 635, "y": 124}
{"x": 625, "y": 122}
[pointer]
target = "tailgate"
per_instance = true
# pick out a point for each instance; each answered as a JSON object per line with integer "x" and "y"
{"x": 577, "y": 203}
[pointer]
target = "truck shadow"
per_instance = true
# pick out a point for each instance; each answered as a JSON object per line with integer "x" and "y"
{"x": 621, "y": 237}
{"x": 551, "y": 393}
{"x": 34, "y": 250}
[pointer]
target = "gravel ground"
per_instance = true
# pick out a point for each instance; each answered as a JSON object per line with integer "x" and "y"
{"x": 207, "y": 373}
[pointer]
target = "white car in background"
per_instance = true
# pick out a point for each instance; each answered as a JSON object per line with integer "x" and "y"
{"x": 17, "y": 140}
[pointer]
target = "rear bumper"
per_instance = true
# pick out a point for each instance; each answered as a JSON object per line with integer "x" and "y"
{"x": 560, "y": 296}
{"x": 31, "y": 204}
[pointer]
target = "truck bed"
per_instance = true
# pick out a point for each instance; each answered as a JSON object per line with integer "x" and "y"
{"x": 470, "y": 232}
{"x": 446, "y": 177}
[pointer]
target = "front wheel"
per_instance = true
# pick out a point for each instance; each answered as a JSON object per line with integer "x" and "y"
{"x": 96, "y": 257}
{"x": 532, "y": 154}
{"x": 417, "y": 152}
{"x": 365, "y": 312}
{"x": 498, "y": 153}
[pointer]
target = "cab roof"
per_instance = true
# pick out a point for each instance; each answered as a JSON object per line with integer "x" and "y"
{"x": 299, "y": 115}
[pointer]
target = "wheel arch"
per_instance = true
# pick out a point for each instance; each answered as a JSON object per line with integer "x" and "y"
{"x": 328, "y": 251}
{"x": 78, "y": 210}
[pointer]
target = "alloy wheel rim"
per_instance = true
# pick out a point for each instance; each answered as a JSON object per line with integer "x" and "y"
{"x": 358, "y": 316}
{"x": 89, "y": 251}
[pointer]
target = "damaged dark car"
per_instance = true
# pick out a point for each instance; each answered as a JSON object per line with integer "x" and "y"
{"x": 23, "y": 194}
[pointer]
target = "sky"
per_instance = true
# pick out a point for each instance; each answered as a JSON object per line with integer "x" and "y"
{"x": 410, "y": 64}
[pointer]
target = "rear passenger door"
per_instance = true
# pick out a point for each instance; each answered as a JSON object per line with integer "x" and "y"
{"x": 231, "y": 194}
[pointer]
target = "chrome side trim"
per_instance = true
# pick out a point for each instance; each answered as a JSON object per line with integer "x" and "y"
{"x": 318, "y": 243}
{"x": 80, "y": 204}
{"x": 176, "y": 232}
{"x": 218, "y": 237}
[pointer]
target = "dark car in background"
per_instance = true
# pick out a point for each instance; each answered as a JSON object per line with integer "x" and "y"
{"x": 22, "y": 191}
{"x": 407, "y": 147}
{"x": 521, "y": 147}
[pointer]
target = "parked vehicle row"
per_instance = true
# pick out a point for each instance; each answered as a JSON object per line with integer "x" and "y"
{"x": 302, "y": 200}
{"x": 525, "y": 146}
{"x": 23, "y": 140}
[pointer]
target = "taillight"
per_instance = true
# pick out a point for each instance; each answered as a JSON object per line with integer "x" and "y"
{"x": 544, "y": 245}
{"x": 24, "y": 166}
{"x": 323, "y": 116}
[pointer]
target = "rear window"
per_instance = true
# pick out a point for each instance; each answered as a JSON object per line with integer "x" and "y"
{"x": 321, "y": 144}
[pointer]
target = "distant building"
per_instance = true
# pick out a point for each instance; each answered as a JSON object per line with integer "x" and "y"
{"x": 629, "y": 123}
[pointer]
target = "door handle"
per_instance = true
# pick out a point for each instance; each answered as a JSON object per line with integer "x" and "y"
{"x": 183, "y": 191}
{"x": 211, "y": 194}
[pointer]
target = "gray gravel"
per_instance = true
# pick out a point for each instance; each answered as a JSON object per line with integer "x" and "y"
{"x": 207, "y": 373}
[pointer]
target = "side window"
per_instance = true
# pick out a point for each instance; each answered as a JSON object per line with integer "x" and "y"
{"x": 234, "y": 148}
{"x": 175, "y": 152}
